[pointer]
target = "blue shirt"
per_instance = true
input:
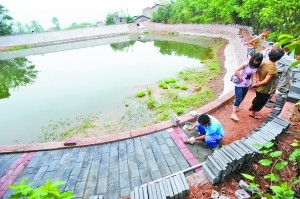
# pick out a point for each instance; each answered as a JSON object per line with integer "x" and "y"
{"x": 215, "y": 127}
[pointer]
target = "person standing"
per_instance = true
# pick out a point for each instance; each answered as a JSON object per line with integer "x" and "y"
{"x": 266, "y": 77}
{"x": 210, "y": 130}
{"x": 245, "y": 74}
{"x": 259, "y": 43}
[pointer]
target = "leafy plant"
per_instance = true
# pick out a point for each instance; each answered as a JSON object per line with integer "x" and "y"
{"x": 273, "y": 158}
{"x": 48, "y": 190}
{"x": 140, "y": 94}
{"x": 183, "y": 87}
{"x": 150, "y": 103}
{"x": 179, "y": 110}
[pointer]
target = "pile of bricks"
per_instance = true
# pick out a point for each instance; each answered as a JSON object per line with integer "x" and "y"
{"x": 170, "y": 187}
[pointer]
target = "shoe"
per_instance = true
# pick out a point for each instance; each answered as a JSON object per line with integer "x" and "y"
{"x": 267, "y": 105}
{"x": 271, "y": 101}
{"x": 255, "y": 116}
{"x": 234, "y": 117}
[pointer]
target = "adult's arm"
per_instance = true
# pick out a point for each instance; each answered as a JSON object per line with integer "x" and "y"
{"x": 265, "y": 81}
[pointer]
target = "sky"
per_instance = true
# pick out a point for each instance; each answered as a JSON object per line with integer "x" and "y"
{"x": 70, "y": 11}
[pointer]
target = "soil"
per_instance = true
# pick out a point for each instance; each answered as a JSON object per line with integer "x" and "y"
{"x": 231, "y": 183}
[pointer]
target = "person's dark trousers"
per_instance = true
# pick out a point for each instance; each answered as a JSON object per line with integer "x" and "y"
{"x": 259, "y": 101}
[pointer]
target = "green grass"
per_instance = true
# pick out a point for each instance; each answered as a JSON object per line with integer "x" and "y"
{"x": 15, "y": 48}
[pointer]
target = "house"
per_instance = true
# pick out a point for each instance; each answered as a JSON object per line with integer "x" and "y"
{"x": 140, "y": 18}
{"x": 120, "y": 20}
{"x": 148, "y": 11}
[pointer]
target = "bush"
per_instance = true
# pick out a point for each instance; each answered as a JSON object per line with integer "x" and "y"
{"x": 183, "y": 87}
{"x": 179, "y": 110}
{"x": 151, "y": 103}
{"x": 140, "y": 94}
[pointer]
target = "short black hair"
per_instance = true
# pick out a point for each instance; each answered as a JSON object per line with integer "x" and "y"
{"x": 275, "y": 54}
{"x": 203, "y": 119}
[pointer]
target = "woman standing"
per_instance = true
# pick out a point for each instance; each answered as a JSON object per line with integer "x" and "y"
{"x": 245, "y": 73}
{"x": 266, "y": 75}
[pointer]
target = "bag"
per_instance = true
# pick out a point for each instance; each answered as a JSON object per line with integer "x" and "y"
{"x": 235, "y": 79}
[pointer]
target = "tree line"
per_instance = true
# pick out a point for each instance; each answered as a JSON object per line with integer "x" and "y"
{"x": 281, "y": 16}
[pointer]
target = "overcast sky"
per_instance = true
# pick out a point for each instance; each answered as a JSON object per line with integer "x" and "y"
{"x": 69, "y": 11}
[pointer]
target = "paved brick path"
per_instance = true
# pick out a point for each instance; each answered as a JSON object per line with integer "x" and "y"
{"x": 112, "y": 169}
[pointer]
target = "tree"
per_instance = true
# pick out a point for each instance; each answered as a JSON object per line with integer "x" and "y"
{"x": 110, "y": 18}
{"x": 56, "y": 23}
{"x": 6, "y": 22}
{"x": 36, "y": 26}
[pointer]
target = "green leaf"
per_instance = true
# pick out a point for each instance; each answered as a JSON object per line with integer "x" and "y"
{"x": 285, "y": 36}
{"x": 67, "y": 195}
{"x": 276, "y": 154}
{"x": 294, "y": 64}
{"x": 265, "y": 162}
{"x": 273, "y": 177}
{"x": 247, "y": 176}
{"x": 294, "y": 155}
{"x": 280, "y": 165}
{"x": 277, "y": 190}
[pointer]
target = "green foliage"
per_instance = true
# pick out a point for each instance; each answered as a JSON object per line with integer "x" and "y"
{"x": 6, "y": 22}
{"x": 179, "y": 110}
{"x": 15, "y": 48}
{"x": 140, "y": 94}
{"x": 56, "y": 23}
{"x": 170, "y": 80}
{"x": 149, "y": 91}
{"x": 109, "y": 20}
{"x": 79, "y": 25}
{"x": 48, "y": 190}
{"x": 281, "y": 190}
{"x": 151, "y": 103}
{"x": 282, "y": 16}
{"x": 175, "y": 86}
{"x": 183, "y": 87}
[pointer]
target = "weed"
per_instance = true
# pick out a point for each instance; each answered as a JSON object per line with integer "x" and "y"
{"x": 183, "y": 87}
{"x": 140, "y": 94}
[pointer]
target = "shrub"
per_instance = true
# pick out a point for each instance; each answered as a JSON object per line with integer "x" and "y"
{"x": 183, "y": 87}
{"x": 151, "y": 103}
{"x": 170, "y": 80}
{"x": 140, "y": 94}
{"x": 176, "y": 86}
{"x": 179, "y": 110}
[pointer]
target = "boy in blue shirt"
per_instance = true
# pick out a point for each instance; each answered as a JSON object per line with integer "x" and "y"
{"x": 210, "y": 130}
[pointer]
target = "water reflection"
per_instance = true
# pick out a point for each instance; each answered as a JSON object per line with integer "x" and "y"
{"x": 15, "y": 73}
{"x": 122, "y": 46}
{"x": 183, "y": 49}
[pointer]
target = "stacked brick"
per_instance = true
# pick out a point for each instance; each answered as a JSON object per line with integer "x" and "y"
{"x": 174, "y": 186}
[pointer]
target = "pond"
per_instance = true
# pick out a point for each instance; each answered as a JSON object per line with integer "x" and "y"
{"x": 44, "y": 92}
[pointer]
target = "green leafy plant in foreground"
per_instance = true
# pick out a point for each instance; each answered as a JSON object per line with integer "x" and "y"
{"x": 48, "y": 190}
{"x": 273, "y": 158}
